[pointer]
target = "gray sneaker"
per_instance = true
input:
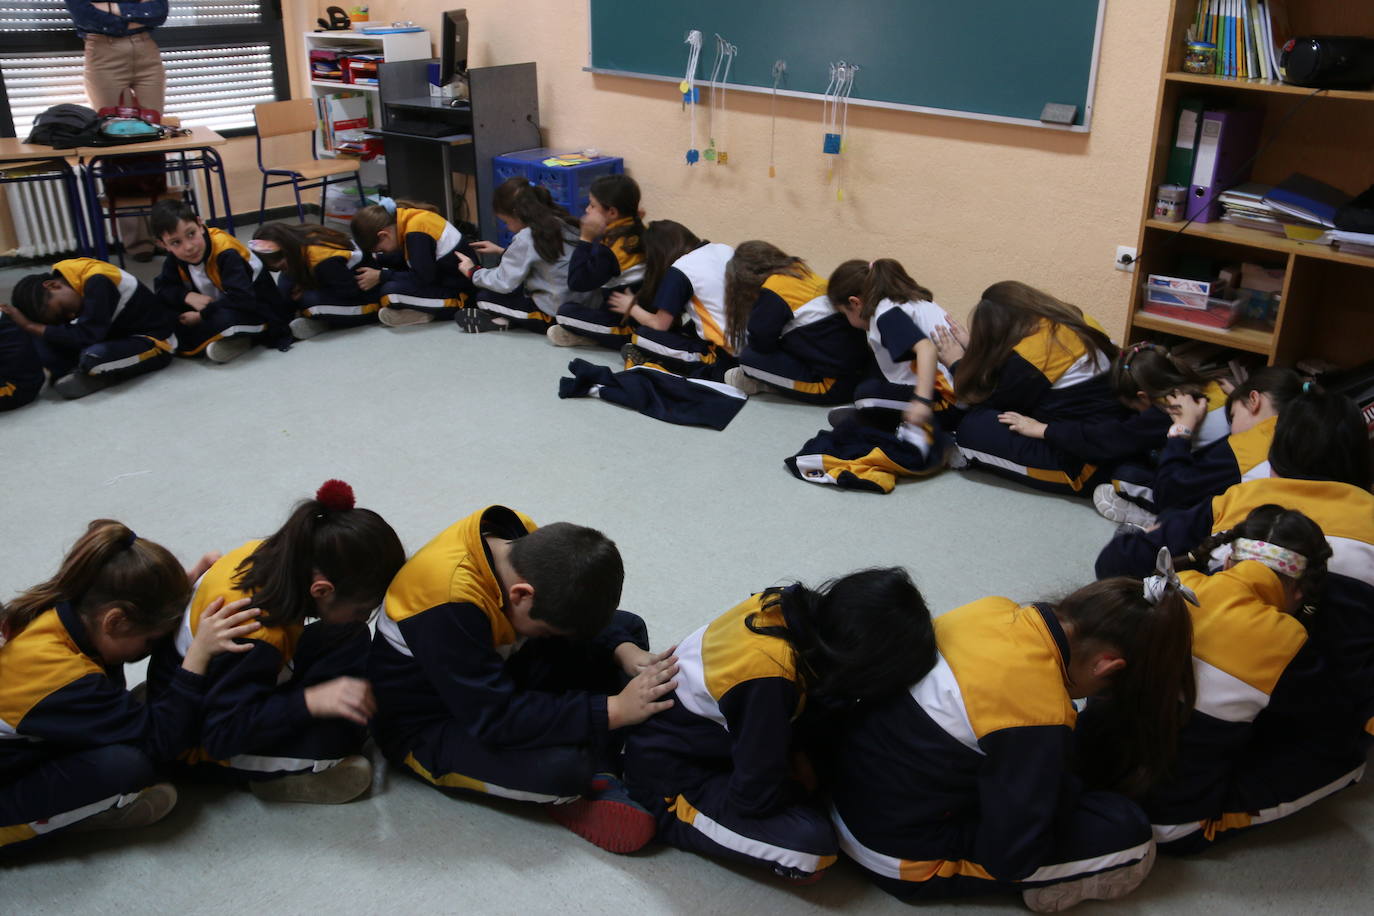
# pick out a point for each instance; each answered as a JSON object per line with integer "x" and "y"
{"x": 303, "y": 328}
{"x": 1116, "y": 508}
{"x": 560, "y": 336}
{"x": 742, "y": 380}
{"x": 78, "y": 384}
{"x": 223, "y": 351}
{"x": 152, "y": 805}
{"x": 341, "y": 783}
{"x": 1107, "y": 885}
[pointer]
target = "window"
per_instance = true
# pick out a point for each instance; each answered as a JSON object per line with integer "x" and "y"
{"x": 222, "y": 58}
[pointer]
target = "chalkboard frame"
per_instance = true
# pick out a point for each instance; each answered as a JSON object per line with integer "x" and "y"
{"x": 1084, "y": 127}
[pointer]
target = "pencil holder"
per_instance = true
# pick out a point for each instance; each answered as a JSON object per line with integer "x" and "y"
{"x": 1200, "y": 57}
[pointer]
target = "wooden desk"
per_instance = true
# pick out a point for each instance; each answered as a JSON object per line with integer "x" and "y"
{"x": 201, "y": 142}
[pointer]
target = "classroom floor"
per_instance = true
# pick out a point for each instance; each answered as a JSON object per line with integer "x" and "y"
{"x": 429, "y": 424}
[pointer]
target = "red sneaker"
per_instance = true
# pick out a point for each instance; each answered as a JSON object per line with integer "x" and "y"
{"x": 607, "y": 817}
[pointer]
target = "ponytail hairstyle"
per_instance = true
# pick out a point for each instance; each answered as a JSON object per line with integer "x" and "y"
{"x": 1285, "y": 528}
{"x": 1151, "y": 696}
{"x": 373, "y": 218}
{"x": 888, "y": 279}
{"x": 621, "y": 193}
{"x": 286, "y": 248}
{"x": 859, "y": 637}
{"x": 1148, "y": 367}
{"x": 664, "y": 242}
{"x": 1320, "y": 435}
{"x": 108, "y": 567}
{"x": 1009, "y": 312}
{"x": 1281, "y": 385}
{"x": 534, "y": 206}
{"x": 355, "y": 549}
{"x": 752, "y": 263}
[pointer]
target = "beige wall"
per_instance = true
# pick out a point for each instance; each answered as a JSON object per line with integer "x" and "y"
{"x": 961, "y": 203}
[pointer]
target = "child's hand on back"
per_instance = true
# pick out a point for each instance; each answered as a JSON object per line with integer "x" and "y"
{"x": 1022, "y": 424}
{"x": 949, "y": 348}
{"x": 643, "y": 696}
{"x": 633, "y": 660}
{"x": 484, "y": 247}
{"x": 219, "y": 626}
{"x": 342, "y": 698}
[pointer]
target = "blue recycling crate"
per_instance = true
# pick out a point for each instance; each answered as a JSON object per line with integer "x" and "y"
{"x": 568, "y": 185}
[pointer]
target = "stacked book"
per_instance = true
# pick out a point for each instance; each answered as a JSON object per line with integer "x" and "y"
{"x": 1351, "y": 242}
{"x": 1248, "y": 35}
{"x": 1244, "y": 205}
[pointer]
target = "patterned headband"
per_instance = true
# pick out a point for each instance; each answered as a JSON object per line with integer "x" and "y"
{"x": 1280, "y": 559}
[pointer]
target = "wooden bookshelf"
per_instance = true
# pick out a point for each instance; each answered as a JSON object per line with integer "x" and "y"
{"x": 1327, "y": 301}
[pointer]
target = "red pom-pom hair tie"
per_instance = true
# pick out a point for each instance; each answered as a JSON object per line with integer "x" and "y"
{"x": 335, "y": 495}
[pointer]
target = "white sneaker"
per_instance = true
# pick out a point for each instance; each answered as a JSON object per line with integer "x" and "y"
{"x": 399, "y": 318}
{"x": 152, "y": 805}
{"x": 222, "y": 351}
{"x": 1107, "y": 885}
{"x": 303, "y": 328}
{"x": 341, "y": 783}
{"x": 1116, "y": 508}
{"x": 740, "y": 379}
{"x": 560, "y": 336}
{"x": 77, "y": 384}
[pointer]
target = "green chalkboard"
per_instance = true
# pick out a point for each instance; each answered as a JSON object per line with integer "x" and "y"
{"x": 983, "y": 58}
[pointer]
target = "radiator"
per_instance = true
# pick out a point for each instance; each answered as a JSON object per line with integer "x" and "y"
{"x": 42, "y": 221}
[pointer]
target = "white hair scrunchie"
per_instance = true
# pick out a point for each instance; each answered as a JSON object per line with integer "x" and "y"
{"x": 1165, "y": 579}
{"x": 387, "y": 204}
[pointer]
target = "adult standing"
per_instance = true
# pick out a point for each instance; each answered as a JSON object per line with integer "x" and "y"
{"x": 120, "y": 55}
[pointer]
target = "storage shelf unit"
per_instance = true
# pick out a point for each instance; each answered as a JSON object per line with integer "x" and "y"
{"x": 1327, "y": 300}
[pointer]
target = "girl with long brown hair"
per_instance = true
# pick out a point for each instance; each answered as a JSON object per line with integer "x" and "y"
{"x": 608, "y": 259}
{"x": 76, "y": 748}
{"x": 317, "y": 267}
{"x": 964, "y": 783}
{"x": 288, "y": 716}
{"x": 1028, "y": 361}
{"x": 530, "y": 284}
{"x": 787, "y": 333}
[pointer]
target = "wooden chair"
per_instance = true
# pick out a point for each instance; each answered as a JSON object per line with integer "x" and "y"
{"x": 297, "y": 116}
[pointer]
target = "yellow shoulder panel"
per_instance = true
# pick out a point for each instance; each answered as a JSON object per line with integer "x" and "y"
{"x": 39, "y": 661}
{"x": 796, "y": 291}
{"x": 1251, "y": 447}
{"x": 1051, "y": 353}
{"x": 1340, "y": 509}
{"x": 731, "y": 653}
{"x": 218, "y": 582}
{"x": 1010, "y": 672}
{"x": 1238, "y": 626}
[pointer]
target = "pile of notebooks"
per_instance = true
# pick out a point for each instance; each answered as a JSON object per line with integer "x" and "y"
{"x": 1244, "y": 205}
{"x": 1299, "y": 207}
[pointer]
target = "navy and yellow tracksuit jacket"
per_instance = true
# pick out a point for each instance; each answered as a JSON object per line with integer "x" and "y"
{"x": 244, "y": 706}
{"x": 738, "y": 696}
{"x": 114, "y": 304}
{"x": 57, "y": 696}
{"x": 1260, "y": 683}
{"x": 443, "y": 641}
{"x": 693, "y": 289}
{"x": 429, "y": 249}
{"x": 1051, "y": 376}
{"x": 893, "y": 333}
{"x": 608, "y": 267}
{"x": 969, "y": 772}
{"x": 1343, "y": 630}
{"x": 335, "y": 283}
{"x": 795, "y": 315}
{"x": 1187, "y": 475}
{"x": 230, "y": 274}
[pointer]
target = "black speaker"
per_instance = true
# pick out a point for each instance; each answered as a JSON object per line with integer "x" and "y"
{"x": 1328, "y": 62}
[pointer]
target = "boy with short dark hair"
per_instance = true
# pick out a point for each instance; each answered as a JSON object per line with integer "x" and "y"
{"x": 93, "y": 324}
{"x": 224, "y": 296}
{"x": 500, "y": 666}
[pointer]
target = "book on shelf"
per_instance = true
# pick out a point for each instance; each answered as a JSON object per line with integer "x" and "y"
{"x": 1247, "y": 35}
{"x": 1307, "y": 200}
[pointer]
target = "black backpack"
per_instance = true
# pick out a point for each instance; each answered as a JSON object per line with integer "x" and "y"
{"x": 65, "y": 126}
{"x": 1358, "y": 215}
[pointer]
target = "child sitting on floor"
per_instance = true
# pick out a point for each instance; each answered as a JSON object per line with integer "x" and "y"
{"x": 224, "y": 298}
{"x": 317, "y": 267}
{"x": 93, "y": 324}
{"x": 501, "y": 667}
{"x": 609, "y": 257}
{"x": 526, "y": 289}
{"x": 417, "y": 254}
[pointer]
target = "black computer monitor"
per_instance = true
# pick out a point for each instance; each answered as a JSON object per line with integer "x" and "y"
{"x": 453, "y": 49}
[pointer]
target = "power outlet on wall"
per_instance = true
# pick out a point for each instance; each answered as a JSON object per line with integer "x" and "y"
{"x": 1125, "y": 258}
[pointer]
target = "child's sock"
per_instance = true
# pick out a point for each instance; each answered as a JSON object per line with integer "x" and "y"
{"x": 607, "y": 817}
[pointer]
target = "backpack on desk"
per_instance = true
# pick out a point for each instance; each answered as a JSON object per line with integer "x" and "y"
{"x": 65, "y": 126}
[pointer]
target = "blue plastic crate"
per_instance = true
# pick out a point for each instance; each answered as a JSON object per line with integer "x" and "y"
{"x": 569, "y": 185}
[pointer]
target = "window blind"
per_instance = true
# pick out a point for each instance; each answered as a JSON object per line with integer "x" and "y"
{"x": 212, "y": 87}
{"x": 52, "y": 15}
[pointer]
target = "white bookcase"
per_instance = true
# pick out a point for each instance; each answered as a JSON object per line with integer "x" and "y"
{"x": 392, "y": 46}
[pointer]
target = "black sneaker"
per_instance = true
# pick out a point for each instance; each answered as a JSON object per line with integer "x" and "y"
{"x": 476, "y": 321}
{"x": 78, "y": 384}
